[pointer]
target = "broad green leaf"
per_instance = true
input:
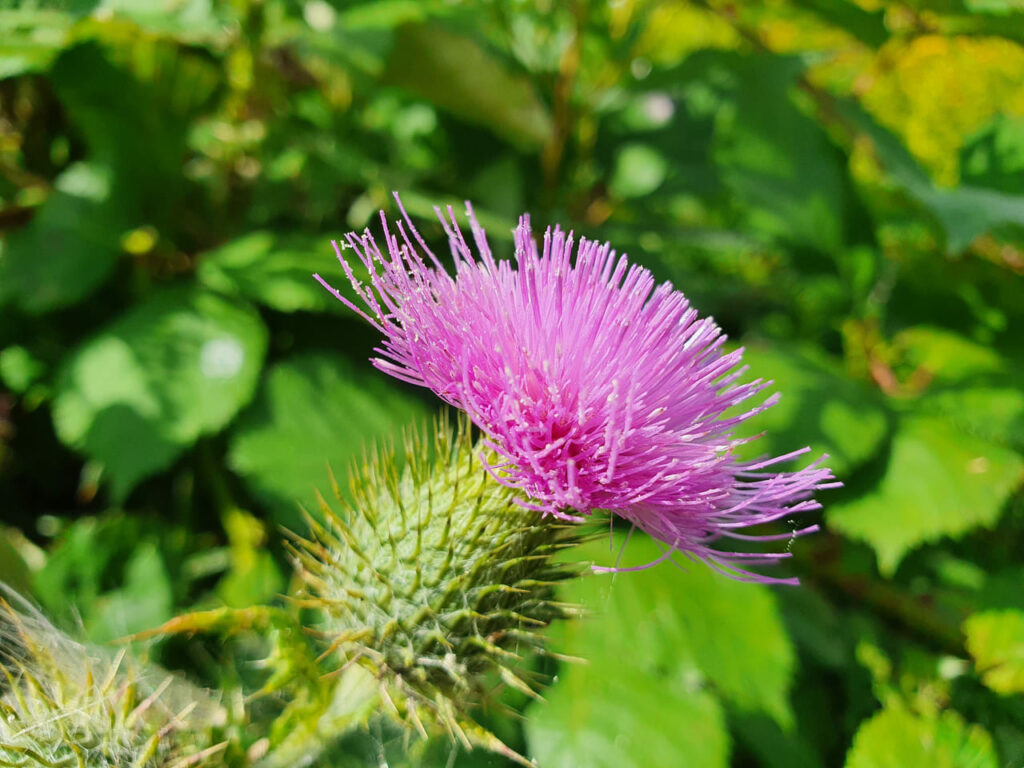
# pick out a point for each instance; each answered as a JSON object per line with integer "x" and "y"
{"x": 947, "y": 356}
{"x": 777, "y": 161}
{"x": 971, "y": 385}
{"x": 819, "y": 407}
{"x": 187, "y": 21}
{"x": 996, "y": 641}
{"x": 143, "y": 601}
{"x": 134, "y": 121}
{"x": 868, "y": 26}
{"x": 455, "y": 73}
{"x": 898, "y": 738}
{"x": 277, "y": 271}
{"x": 78, "y": 232}
{"x": 774, "y": 747}
{"x": 174, "y": 368}
{"x": 994, "y": 157}
{"x": 606, "y": 713}
{"x": 313, "y": 412}
{"x": 938, "y": 482}
{"x": 661, "y": 645}
{"x": 727, "y": 632}
{"x": 963, "y": 213}
{"x": 30, "y": 39}
{"x": 994, "y": 413}
{"x": 995, "y": 7}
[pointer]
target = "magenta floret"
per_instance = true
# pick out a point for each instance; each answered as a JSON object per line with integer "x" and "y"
{"x": 597, "y": 388}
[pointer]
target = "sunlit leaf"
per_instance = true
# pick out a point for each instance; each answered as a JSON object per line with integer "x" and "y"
{"x": 661, "y": 646}
{"x": 31, "y": 38}
{"x": 175, "y": 368}
{"x": 19, "y": 368}
{"x": 277, "y": 271}
{"x": 968, "y": 383}
{"x": 312, "y": 413}
{"x": 143, "y": 601}
{"x": 254, "y": 576}
{"x": 897, "y": 738}
{"x": 80, "y": 234}
{"x": 994, "y": 157}
{"x": 191, "y": 21}
{"x": 938, "y": 482}
{"x": 963, "y": 212}
{"x": 608, "y": 714}
{"x": 819, "y": 407}
{"x": 777, "y": 161}
{"x": 455, "y": 73}
{"x": 996, "y": 641}
{"x": 934, "y": 91}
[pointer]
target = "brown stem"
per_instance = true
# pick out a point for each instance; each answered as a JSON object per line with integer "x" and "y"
{"x": 915, "y": 614}
{"x": 562, "y": 111}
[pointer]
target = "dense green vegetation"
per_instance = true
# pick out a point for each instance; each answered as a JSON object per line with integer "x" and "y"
{"x": 840, "y": 184}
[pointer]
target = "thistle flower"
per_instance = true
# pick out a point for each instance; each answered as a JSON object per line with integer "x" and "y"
{"x": 64, "y": 704}
{"x": 597, "y": 388}
{"x": 435, "y": 580}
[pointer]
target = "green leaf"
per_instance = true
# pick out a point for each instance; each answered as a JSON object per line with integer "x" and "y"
{"x": 774, "y": 747}
{"x": 963, "y": 213}
{"x": 994, "y": 157}
{"x": 819, "y": 407}
{"x": 187, "y": 21}
{"x": 30, "y": 39}
{"x": 938, "y": 482}
{"x": 867, "y": 26}
{"x": 174, "y": 368}
{"x": 897, "y": 738}
{"x": 14, "y": 571}
{"x": 254, "y": 576}
{"x": 697, "y": 622}
{"x": 144, "y": 601}
{"x": 313, "y": 411}
{"x": 277, "y": 271}
{"x": 971, "y": 385}
{"x": 69, "y": 247}
{"x": 995, "y": 639}
{"x": 948, "y": 357}
{"x": 993, "y": 413}
{"x": 135, "y": 122}
{"x": 609, "y": 714}
{"x": 639, "y": 170}
{"x": 20, "y": 369}
{"x": 455, "y": 73}
{"x": 778, "y": 162}
{"x": 661, "y": 645}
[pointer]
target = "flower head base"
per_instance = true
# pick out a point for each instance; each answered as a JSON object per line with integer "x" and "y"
{"x": 597, "y": 388}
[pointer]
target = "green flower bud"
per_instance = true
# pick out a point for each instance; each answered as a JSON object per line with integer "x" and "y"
{"x": 436, "y": 580}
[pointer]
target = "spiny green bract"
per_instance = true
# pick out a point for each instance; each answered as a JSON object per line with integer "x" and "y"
{"x": 63, "y": 705}
{"x": 435, "y": 579}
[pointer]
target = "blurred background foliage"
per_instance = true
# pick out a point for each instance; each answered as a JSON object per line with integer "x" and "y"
{"x": 839, "y": 182}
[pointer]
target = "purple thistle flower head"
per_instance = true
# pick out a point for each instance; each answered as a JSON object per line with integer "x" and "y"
{"x": 595, "y": 387}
